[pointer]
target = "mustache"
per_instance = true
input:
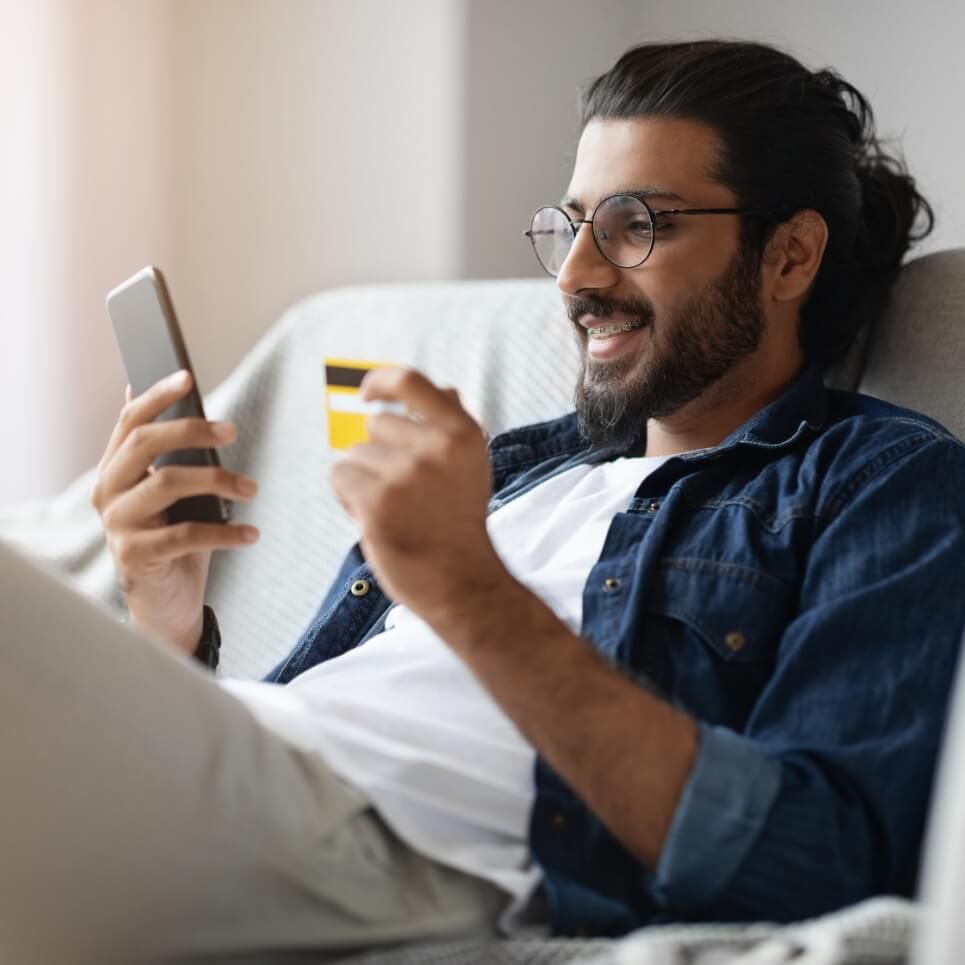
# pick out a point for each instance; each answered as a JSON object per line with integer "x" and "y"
{"x": 603, "y": 307}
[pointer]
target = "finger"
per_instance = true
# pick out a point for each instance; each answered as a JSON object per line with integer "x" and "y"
{"x": 395, "y": 430}
{"x": 416, "y": 392}
{"x": 144, "y": 443}
{"x": 353, "y": 484}
{"x": 381, "y": 461}
{"x": 170, "y": 542}
{"x": 128, "y": 394}
{"x": 164, "y": 487}
{"x": 391, "y": 429}
{"x": 147, "y": 407}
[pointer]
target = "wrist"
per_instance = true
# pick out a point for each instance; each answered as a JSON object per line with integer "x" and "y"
{"x": 189, "y": 641}
{"x": 490, "y": 604}
{"x": 183, "y": 641}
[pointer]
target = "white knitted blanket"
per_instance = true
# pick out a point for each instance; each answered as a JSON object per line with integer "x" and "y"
{"x": 876, "y": 932}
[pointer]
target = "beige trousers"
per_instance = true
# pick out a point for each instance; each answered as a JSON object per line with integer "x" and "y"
{"x": 146, "y": 816}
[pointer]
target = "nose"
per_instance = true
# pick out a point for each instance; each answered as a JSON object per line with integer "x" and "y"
{"x": 585, "y": 267}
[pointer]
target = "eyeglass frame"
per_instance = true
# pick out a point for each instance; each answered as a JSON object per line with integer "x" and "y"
{"x": 573, "y": 222}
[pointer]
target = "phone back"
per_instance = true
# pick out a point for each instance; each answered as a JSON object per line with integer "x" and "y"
{"x": 152, "y": 348}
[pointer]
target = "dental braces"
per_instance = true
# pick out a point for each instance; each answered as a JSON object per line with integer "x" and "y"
{"x": 614, "y": 329}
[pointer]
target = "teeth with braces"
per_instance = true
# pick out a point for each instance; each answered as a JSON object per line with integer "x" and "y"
{"x": 613, "y": 329}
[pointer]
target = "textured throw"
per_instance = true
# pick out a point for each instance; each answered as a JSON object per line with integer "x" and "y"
{"x": 876, "y": 932}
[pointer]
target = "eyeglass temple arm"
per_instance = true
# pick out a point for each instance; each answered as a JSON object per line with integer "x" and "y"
{"x": 706, "y": 211}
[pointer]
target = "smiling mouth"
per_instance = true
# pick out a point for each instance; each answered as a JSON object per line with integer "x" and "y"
{"x": 603, "y": 331}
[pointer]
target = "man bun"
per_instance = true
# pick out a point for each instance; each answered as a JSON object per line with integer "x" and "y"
{"x": 892, "y": 216}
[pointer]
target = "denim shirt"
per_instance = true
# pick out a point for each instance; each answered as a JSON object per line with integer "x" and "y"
{"x": 799, "y": 590}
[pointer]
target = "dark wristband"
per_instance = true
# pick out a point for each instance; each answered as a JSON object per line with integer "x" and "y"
{"x": 209, "y": 649}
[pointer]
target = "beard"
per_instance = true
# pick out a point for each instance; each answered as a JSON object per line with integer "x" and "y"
{"x": 720, "y": 327}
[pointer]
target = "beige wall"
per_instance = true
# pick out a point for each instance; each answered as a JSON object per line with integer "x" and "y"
{"x": 248, "y": 146}
{"x": 315, "y": 149}
{"x": 257, "y": 151}
{"x": 86, "y": 174}
{"x": 905, "y": 57}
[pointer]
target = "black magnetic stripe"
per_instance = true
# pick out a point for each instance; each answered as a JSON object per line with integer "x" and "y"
{"x": 343, "y": 375}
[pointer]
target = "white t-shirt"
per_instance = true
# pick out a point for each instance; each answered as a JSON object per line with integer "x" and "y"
{"x": 404, "y": 720}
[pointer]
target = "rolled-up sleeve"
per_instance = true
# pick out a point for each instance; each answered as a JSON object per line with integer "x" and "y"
{"x": 725, "y": 804}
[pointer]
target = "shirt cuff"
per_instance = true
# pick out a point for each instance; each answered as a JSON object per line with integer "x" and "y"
{"x": 723, "y": 808}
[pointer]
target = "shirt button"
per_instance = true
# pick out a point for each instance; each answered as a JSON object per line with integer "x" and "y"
{"x": 559, "y": 821}
{"x": 653, "y": 506}
{"x": 610, "y": 584}
{"x": 360, "y": 588}
{"x": 735, "y": 641}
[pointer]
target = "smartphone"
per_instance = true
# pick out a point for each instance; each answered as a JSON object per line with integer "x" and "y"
{"x": 152, "y": 348}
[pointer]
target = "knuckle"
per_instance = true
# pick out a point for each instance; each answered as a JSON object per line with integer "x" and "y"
{"x": 375, "y": 423}
{"x": 127, "y": 418}
{"x": 137, "y": 437}
{"x": 234, "y": 482}
{"x": 174, "y": 537}
{"x": 406, "y": 378}
{"x": 124, "y": 551}
{"x": 165, "y": 478}
{"x": 109, "y": 517}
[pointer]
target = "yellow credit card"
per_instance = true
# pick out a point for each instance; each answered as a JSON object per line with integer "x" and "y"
{"x": 344, "y": 406}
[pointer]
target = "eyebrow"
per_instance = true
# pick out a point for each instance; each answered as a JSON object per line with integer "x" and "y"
{"x": 643, "y": 194}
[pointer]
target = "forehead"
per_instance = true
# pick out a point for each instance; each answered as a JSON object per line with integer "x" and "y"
{"x": 669, "y": 156}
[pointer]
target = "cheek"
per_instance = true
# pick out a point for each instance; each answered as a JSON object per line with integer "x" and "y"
{"x": 690, "y": 262}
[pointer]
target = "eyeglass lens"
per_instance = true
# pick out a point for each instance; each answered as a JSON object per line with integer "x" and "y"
{"x": 622, "y": 227}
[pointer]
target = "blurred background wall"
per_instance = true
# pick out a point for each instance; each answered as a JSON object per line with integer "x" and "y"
{"x": 262, "y": 150}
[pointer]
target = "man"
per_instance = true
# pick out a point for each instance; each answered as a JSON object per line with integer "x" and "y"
{"x": 682, "y": 655}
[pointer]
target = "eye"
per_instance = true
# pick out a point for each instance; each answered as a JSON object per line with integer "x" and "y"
{"x": 639, "y": 227}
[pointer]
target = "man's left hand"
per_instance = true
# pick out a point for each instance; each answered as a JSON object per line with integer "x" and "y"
{"x": 418, "y": 491}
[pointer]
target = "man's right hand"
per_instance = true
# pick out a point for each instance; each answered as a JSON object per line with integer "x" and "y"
{"x": 162, "y": 569}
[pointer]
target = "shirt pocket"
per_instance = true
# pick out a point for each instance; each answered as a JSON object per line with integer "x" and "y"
{"x": 710, "y": 635}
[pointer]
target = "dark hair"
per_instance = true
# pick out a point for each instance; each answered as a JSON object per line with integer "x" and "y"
{"x": 791, "y": 139}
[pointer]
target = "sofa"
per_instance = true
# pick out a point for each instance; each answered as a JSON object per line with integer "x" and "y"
{"x": 506, "y": 347}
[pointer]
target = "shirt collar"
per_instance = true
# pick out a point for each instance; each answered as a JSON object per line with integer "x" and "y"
{"x": 802, "y": 407}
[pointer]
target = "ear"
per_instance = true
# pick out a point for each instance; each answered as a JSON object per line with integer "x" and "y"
{"x": 793, "y": 256}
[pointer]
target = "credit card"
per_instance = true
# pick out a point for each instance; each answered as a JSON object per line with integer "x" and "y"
{"x": 344, "y": 406}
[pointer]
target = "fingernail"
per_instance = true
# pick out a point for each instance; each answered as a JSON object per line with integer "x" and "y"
{"x": 223, "y": 430}
{"x": 249, "y": 534}
{"x": 179, "y": 379}
{"x": 247, "y": 487}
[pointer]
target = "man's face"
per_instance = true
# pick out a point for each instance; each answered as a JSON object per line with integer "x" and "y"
{"x": 695, "y": 300}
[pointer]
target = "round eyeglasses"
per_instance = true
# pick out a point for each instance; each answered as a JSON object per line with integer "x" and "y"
{"x": 623, "y": 227}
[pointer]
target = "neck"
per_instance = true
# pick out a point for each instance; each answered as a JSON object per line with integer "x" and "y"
{"x": 725, "y": 406}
